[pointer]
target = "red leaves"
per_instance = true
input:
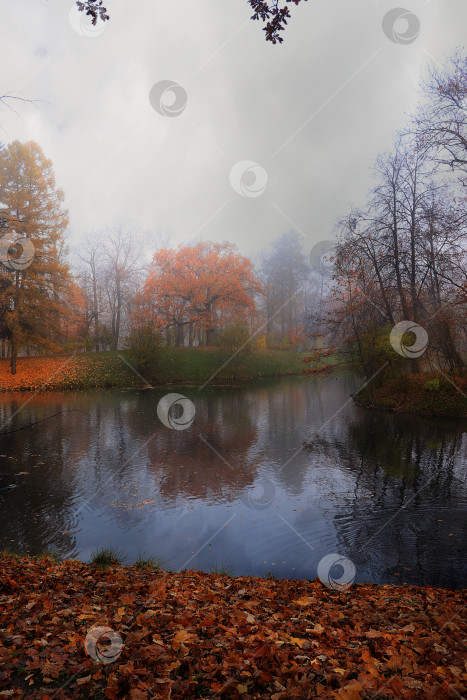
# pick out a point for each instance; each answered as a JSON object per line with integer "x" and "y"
{"x": 192, "y": 635}
{"x": 202, "y": 285}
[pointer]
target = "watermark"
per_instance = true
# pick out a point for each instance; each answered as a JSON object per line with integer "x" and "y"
{"x": 82, "y": 23}
{"x": 2, "y": 146}
{"x": 103, "y": 644}
{"x": 248, "y": 179}
{"x": 401, "y": 26}
{"x": 16, "y": 251}
{"x": 169, "y": 405}
{"x": 260, "y": 496}
{"x": 168, "y": 98}
{"x": 336, "y": 572}
{"x": 414, "y": 350}
{"x": 320, "y": 254}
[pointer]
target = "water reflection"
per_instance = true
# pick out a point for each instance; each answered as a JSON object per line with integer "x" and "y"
{"x": 387, "y": 491}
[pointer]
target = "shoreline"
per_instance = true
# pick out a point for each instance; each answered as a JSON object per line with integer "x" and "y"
{"x": 428, "y": 394}
{"x": 178, "y": 367}
{"x": 191, "y": 634}
{"x": 194, "y": 367}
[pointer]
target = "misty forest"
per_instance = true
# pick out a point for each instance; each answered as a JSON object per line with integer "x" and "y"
{"x": 233, "y": 393}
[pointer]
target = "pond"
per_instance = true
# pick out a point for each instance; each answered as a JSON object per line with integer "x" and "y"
{"x": 237, "y": 488}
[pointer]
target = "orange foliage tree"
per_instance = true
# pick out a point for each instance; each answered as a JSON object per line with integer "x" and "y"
{"x": 75, "y": 325}
{"x": 34, "y": 276}
{"x": 202, "y": 287}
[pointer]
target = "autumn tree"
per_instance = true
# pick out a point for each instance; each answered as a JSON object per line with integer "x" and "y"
{"x": 34, "y": 275}
{"x": 74, "y": 327}
{"x": 200, "y": 288}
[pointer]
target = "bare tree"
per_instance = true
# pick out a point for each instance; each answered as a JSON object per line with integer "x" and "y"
{"x": 403, "y": 256}
{"x": 441, "y": 123}
{"x": 91, "y": 256}
{"x": 122, "y": 269}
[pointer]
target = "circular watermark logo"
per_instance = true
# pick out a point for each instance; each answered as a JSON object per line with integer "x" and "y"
{"x": 336, "y": 572}
{"x": 103, "y": 644}
{"x": 401, "y": 26}
{"x": 171, "y": 404}
{"x": 320, "y": 255}
{"x": 260, "y": 495}
{"x": 82, "y": 23}
{"x": 249, "y": 179}
{"x": 16, "y": 251}
{"x": 168, "y": 98}
{"x": 396, "y": 339}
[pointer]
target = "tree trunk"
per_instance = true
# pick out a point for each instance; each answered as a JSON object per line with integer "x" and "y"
{"x": 96, "y": 312}
{"x": 14, "y": 354}
{"x": 180, "y": 339}
{"x": 118, "y": 315}
{"x": 14, "y": 330}
{"x": 269, "y": 311}
{"x": 397, "y": 267}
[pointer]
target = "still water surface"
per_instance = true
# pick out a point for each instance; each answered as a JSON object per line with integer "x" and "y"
{"x": 237, "y": 488}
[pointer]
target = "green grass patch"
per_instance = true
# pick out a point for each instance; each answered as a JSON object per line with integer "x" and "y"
{"x": 179, "y": 366}
{"x": 144, "y": 561}
{"x": 107, "y": 556}
{"x": 221, "y": 569}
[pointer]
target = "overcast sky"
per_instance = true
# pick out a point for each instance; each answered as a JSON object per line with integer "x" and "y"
{"x": 313, "y": 113}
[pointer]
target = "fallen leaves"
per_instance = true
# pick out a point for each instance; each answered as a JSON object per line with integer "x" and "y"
{"x": 51, "y": 669}
{"x": 191, "y": 634}
{"x": 298, "y": 641}
{"x": 182, "y": 637}
{"x": 83, "y": 680}
{"x": 304, "y": 600}
{"x": 66, "y": 372}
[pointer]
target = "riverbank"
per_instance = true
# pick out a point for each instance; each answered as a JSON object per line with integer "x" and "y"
{"x": 192, "y": 635}
{"x": 181, "y": 366}
{"x": 427, "y": 394}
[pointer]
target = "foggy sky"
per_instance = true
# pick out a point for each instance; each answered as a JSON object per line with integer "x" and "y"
{"x": 313, "y": 112}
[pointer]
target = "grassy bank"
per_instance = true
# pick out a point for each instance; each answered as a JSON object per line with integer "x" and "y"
{"x": 176, "y": 366}
{"x": 427, "y": 394}
{"x": 196, "y": 635}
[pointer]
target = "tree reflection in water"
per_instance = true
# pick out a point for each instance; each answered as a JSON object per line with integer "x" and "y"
{"x": 387, "y": 491}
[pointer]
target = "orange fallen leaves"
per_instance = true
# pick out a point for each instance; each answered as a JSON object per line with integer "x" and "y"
{"x": 192, "y": 634}
{"x": 66, "y": 372}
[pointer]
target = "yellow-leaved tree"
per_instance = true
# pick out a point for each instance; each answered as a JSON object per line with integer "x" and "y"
{"x": 34, "y": 278}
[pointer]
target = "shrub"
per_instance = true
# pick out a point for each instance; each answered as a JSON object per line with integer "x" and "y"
{"x": 144, "y": 350}
{"x": 235, "y": 341}
{"x": 234, "y": 337}
{"x": 374, "y": 355}
{"x": 432, "y": 385}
